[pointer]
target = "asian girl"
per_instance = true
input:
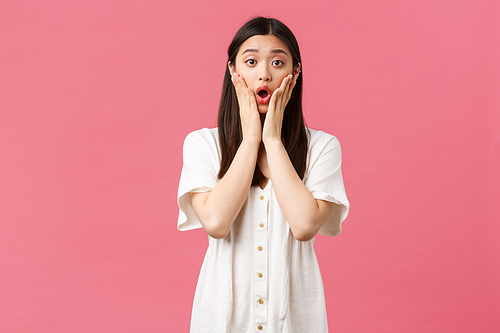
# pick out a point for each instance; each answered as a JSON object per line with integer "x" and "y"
{"x": 262, "y": 185}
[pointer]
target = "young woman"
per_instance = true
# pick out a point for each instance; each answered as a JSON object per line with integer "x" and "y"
{"x": 262, "y": 185}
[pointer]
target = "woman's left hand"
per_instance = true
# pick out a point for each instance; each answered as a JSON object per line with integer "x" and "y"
{"x": 277, "y": 104}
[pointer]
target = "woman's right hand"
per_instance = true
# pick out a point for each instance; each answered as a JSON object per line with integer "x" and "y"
{"x": 249, "y": 115}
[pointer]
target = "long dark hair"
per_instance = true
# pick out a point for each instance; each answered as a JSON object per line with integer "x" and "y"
{"x": 294, "y": 132}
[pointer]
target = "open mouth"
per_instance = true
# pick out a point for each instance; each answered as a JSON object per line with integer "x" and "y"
{"x": 263, "y": 95}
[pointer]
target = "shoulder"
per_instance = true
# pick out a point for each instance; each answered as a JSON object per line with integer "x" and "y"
{"x": 319, "y": 140}
{"x": 202, "y": 144}
{"x": 208, "y": 134}
{"x": 324, "y": 154}
{"x": 202, "y": 137}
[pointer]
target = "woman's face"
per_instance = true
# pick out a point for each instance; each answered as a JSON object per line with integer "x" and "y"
{"x": 263, "y": 61}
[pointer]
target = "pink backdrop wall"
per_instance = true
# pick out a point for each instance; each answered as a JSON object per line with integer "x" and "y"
{"x": 96, "y": 98}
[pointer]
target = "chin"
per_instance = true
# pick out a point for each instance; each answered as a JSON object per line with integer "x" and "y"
{"x": 263, "y": 109}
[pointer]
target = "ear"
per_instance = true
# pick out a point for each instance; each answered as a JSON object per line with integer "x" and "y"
{"x": 230, "y": 66}
{"x": 297, "y": 69}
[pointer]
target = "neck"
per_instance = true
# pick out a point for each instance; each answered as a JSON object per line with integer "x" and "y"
{"x": 262, "y": 119}
{"x": 262, "y": 161}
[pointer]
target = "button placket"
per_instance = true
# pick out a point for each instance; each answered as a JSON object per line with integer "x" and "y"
{"x": 261, "y": 260}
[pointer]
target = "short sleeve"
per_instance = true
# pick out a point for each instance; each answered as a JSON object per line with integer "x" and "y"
{"x": 324, "y": 179}
{"x": 199, "y": 173}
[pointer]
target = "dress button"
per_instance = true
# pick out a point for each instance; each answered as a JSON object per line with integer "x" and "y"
{"x": 261, "y": 225}
{"x": 261, "y": 301}
{"x": 259, "y": 275}
{"x": 261, "y": 197}
{"x": 259, "y": 327}
{"x": 260, "y": 248}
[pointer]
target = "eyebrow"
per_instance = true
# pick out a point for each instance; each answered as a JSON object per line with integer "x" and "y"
{"x": 275, "y": 51}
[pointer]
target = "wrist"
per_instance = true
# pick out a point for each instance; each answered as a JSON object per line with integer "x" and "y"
{"x": 269, "y": 135}
{"x": 273, "y": 143}
{"x": 251, "y": 141}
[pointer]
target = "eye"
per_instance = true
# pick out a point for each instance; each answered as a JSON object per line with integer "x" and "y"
{"x": 277, "y": 63}
{"x": 251, "y": 62}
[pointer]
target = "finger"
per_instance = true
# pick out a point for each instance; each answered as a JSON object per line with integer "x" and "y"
{"x": 253, "y": 101}
{"x": 293, "y": 82}
{"x": 242, "y": 81}
{"x": 286, "y": 82}
{"x": 285, "y": 87}
{"x": 275, "y": 101}
{"x": 285, "y": 92}
{"x": 233, "y": 80}
{"x": 275, "y": 95}
{"x": 239, "y": 87}
{"x": 290, "y": 85}
{"x": 238, "y": 83}
{"x": 246, "y": 92}
{"x": 278, "y": 92}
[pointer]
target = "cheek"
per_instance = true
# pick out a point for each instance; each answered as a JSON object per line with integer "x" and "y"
{"x": 280, "y": 79}
{"x": 245, "y": 74}
{"x": 284, "y": 74}
{"x": 247, "y": 78}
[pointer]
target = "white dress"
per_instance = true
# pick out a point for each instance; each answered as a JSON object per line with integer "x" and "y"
{"x": 260, "y": 278}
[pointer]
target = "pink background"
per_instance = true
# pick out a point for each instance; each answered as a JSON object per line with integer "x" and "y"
{"x": 96, "y": 98}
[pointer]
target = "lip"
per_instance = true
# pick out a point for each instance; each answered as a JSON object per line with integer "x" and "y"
{"x": 266, "y": 99}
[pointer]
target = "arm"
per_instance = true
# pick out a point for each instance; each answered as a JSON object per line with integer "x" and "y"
{"x": 218, "y": 208}
{"x": 304, "y": 214}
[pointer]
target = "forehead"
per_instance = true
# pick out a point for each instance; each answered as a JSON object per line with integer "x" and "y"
{"x": 264, "y": 44}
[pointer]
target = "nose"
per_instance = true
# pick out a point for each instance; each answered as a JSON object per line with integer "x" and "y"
{"x": 265, "y": 75}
